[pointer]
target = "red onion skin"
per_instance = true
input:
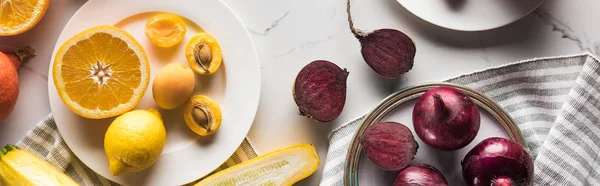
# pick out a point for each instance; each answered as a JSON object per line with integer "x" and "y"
{"x": 498, "y": 161}
{"x": 420, "y": 174}
{"x": 446, "y": 118}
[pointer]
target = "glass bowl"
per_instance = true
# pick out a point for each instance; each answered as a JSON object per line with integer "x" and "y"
{"x": 351, "y": 168}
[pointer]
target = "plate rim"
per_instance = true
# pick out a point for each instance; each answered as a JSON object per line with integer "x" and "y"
{"x": 472, "y": 30}
{"x": 256, "y": 77}
{"x": 413, "y": 92}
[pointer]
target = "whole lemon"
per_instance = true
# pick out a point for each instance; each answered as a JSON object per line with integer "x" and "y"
{"x": 134, "y": 141}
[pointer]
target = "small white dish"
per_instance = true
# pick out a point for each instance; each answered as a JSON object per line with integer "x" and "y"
{"x": 236, "y": 87}
{"x": 470, "y": 15}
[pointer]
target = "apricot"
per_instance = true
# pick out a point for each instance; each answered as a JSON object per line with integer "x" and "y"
{"x": 203, "y": 54}
{"x": 202, "y": 115}
{"x": 173, "y": 85}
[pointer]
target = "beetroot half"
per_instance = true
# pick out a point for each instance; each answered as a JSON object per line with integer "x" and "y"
{"x": 420, "y": 174}
{"x": 389, "y": 145}
{"x": 388, "y": 52}
{"x": 320, "y": 90}
{"x": 446, "y": 118}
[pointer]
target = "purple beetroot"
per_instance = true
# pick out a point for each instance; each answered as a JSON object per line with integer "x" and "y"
{"x": 320, "y": 90}
{"x": 388, "y": 52}
{"x": 389, "y": 145}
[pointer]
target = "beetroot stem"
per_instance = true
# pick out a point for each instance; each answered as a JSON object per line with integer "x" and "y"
{"x": 357, "y": 33}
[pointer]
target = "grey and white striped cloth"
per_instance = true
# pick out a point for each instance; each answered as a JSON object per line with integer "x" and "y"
{"x": 554, "y": 101}
{"x": 45, "y": 141}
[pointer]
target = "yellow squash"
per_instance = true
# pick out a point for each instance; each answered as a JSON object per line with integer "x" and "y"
{"x": 280, "y": 167}
{"x": 19, "y": 167}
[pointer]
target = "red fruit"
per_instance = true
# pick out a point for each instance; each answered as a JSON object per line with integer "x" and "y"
{"x": 9, "y": 80}
{"x": 389, "y": 145}
{"x": 320, "y": 90}
{"x": 446, "y": 118}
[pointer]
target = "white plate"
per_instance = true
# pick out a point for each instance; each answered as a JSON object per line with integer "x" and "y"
{"x": 470, "y": 15}
{"x": 235, "y": 86}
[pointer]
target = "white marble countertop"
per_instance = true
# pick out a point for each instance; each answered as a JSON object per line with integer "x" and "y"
{"x": 290, "y": 34}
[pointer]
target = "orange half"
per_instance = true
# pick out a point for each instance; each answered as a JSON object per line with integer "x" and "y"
{"x": 101, "y": 72}
{"x": 18, "y": 16}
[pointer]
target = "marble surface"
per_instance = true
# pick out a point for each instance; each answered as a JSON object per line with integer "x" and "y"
{"x": 289, "y": 34}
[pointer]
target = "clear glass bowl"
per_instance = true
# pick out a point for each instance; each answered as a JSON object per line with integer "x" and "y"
{"x": 414, "y": 92}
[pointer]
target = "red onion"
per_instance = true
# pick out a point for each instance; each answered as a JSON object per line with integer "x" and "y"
{"x": 498, "y": 162}
{"x": 420, "y": 174}
{"x": 446, "y": 118}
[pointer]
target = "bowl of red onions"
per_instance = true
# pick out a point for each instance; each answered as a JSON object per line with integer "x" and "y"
{"x": 438, "y": 134}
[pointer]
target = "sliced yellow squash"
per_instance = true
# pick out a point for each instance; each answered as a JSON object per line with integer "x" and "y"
{"x": 280, "y": 167}
{"x": 19, "y": 167}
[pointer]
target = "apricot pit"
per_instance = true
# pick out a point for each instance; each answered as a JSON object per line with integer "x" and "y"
{"x": 203, "y": 54}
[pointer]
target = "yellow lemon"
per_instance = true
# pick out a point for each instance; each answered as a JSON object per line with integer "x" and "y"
{"x": 134, "y": 141}
{"x": 18, "y": 16}
{"x": 165, "y": 30}
{"x": 101, "y": 72}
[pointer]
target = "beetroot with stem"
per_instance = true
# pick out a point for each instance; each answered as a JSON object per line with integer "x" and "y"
{"x": 320, "y": 90}
{"x": 420, "y": 174}
{"x": 388, "y": 52}
{"x": 498, "y": 162}
{"x": 446, "y": 118}
{"x": 389, "y": 145}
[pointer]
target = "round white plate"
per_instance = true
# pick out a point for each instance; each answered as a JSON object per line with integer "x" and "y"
{"x": 471, "y": 15}
{"x": 235, "y": 86}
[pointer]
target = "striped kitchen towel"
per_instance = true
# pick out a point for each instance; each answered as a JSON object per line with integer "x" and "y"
{"x": 45, "y": 141}
{"x": 554, "y": 101}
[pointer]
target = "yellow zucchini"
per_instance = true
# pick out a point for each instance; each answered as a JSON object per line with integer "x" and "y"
{"x": 280, "y": 167}
{"x": 22, "y": 168}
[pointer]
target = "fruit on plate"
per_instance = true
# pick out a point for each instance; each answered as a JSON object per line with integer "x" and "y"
{"x": 165, "y": 29}
{"x": 320, "y": 90}
{"x": 134, "y": 141}
{"x": 285, "y": 166}
{"x": 18, "y": 16}
{"x": 173, "y": 85}
{"x": 203, "y": 53}
{"x": 202, "y": 114}
{"x": 19, "y": 167}
{"x": 9, "y": 80}
{"x": 101, "y": 72}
